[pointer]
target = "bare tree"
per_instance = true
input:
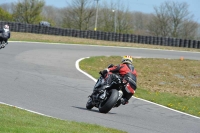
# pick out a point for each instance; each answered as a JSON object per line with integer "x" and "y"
{"x": 114, "y": 17}
{"x": 124, "y": 21}
{"x": 178, "y": 13}
{"x": 52, "y": 15}
{"x": 170, "y": 18}
{"x": 28, "y": 11}
{"x": 106, "y": 18}
{"x": 79, "y": 14}
{"x": 140, "y": 22}
{"x": 188, "y": 30}
{"x": 159, "y": 25}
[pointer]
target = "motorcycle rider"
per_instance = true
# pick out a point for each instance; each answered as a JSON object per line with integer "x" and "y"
{"x": 127, "y": 73}
{"x": 5, "y": 34}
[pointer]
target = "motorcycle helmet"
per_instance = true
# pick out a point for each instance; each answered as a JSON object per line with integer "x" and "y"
{"x": 6, "y": 26}
{"x": 127, "y": 59}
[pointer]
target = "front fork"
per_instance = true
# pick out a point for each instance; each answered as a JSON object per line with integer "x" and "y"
{"x": 120, "y": 95}
{"x": 99, "y": 98}
{"x": 103, "y": 95}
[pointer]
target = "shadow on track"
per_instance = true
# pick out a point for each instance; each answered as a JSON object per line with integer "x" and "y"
{"x": 92, "y": 110}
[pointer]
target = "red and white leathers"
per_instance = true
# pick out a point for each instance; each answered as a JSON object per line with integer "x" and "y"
{"x": 125, "y": 70}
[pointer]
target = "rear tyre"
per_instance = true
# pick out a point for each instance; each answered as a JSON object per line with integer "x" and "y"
{"x": 106, "y": 106}
{"x": 89, "y": 104}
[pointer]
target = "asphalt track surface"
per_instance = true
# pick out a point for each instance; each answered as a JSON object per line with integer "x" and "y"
{"x": 43, "y": 78}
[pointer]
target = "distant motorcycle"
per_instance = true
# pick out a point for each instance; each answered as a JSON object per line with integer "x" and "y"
{"x": 109, "y": 97}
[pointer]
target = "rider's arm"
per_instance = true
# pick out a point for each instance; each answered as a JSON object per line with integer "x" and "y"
{"x": 114, "y": 69}
{"x": 135, "y": 72}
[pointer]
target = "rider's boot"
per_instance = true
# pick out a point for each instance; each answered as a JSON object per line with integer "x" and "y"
{"x": 124, "y": 101}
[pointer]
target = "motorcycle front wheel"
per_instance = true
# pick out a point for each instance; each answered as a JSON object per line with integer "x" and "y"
{"x": 108, "y": 104}
{"x": 89, "y": 104}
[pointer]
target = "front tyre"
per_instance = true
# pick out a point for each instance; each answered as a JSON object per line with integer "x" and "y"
{"x": 106, "y": 106}
{"x": 89, "y": 104}
{"x": 3, "y": 45}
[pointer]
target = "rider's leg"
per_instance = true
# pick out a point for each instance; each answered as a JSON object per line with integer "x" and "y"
{"x": 128, "y": 92}
{"x": 6, "y": 41}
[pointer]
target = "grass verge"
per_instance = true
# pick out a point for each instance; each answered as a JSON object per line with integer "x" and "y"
{"x": 175, "y": 84}
{"x": 17, "y": 36}
{"x": 19, "y": 121}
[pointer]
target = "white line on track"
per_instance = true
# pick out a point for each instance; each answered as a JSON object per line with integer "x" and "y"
{"x": 26, "y": 110}
{"x": 78, "y": 68}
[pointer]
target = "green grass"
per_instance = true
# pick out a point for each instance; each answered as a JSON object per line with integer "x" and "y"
{"x": 15, "y": 120}
{"x": 162, "y": 85}
{"x": 185, "y": 104}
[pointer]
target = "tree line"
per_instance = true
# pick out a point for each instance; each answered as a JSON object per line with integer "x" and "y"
{"x": 170, "y": 19}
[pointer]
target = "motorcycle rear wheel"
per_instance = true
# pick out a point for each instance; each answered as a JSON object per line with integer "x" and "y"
{"x": 106, "y": 106}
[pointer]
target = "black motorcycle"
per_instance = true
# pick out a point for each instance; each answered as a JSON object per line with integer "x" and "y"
{"x": 107, "y": 97}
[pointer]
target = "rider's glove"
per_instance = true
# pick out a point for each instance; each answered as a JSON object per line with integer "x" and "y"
{"x": 111, "y": 65}
{"x": 103, "y": 73}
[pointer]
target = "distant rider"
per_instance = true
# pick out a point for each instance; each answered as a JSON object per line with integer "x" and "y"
{"x": 127, "y": 72}
{"x": 5, "y": 34}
